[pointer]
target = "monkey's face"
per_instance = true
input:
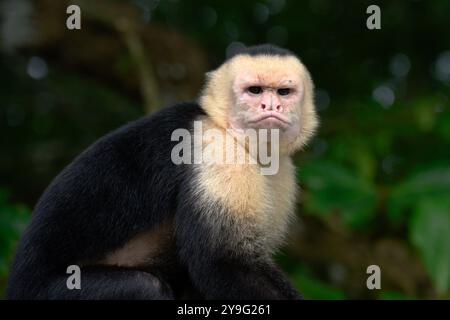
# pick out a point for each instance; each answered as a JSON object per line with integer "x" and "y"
{"x": 267, "y": 94}
{"x": 263, "y": 92}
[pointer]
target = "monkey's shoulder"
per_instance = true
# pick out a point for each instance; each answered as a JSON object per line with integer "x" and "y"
{"x": 132, "y": 156}
{"x": 142, "y": 141}
{"x": 157, "y": 127}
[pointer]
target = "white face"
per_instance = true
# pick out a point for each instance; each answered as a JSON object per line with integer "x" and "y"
{"x": 267, "y": 100}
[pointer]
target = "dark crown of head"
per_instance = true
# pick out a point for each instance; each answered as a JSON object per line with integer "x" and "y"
{"x": 263, "y": 49}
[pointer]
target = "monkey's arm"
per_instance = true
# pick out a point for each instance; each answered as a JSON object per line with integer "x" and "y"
{"x": 219, "y": 267}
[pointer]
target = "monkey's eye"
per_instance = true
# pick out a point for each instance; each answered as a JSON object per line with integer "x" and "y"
{"x": 284, "y": 91}
{"x": 255, "y": 89}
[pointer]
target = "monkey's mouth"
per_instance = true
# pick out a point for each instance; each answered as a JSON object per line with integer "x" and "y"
{"x": 270, "y": 116}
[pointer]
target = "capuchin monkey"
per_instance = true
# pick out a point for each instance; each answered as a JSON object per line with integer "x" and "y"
{"x": 140, "y": 226}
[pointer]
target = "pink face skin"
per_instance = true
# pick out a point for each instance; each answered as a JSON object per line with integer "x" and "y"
{"x": 267, "y": 102}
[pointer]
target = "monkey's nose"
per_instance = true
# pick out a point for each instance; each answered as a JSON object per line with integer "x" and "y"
{"x": 264, "y": 107}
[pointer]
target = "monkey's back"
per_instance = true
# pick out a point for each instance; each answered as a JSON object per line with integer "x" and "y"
{"x": 121, "y": 185}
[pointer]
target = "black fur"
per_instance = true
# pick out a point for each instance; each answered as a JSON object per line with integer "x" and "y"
{"x": 123, "y": 184}
{"x": 262, "y": 49}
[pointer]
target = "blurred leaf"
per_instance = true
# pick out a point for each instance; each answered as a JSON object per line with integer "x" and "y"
{"x": 393, "y": 295}
{"x": 313, "y": 288}
{"x": 430, "y": 233}
{"x": 364, "y": 160}
{"x": 421, "y": 186}
{"x": 443, "y": 123}
{"x": 13, "y": 220}
{"x": 334, "y": 188}
{"x": 424, "y": 115}
{"x": 4, "y": 194}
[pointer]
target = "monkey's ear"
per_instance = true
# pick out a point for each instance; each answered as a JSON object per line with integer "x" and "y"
{"x": 309, "y": 121}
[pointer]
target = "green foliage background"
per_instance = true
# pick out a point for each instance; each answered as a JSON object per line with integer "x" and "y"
{"x": 378, "y": 171}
